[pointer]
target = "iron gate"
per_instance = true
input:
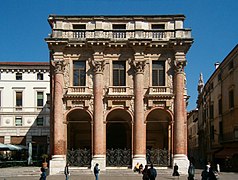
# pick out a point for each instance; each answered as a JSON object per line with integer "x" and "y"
{"x": 158, "y": 157}
{"x": 118, "y": 157}
{"x": 79, "y": 157}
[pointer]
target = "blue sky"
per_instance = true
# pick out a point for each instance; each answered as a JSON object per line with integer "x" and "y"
{"x": 213, "y": 22}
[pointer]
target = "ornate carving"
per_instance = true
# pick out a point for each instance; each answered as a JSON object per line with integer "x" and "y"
{"x": 59, "y": 66}
{"x": 66, "y": 75}
{"x": 139, "y": 66}
{"x": 98, "y": 66}
{"x": 179, "y": 66}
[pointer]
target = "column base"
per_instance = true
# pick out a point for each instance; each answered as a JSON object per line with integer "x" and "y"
{"x": 183, "y": 163}
{"x": 141, "y": 159}
{"x": 57, "y": 164}
{"x": 101, "y": 160}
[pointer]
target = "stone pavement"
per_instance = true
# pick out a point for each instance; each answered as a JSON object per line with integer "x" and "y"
{"x": 33, "y": 173}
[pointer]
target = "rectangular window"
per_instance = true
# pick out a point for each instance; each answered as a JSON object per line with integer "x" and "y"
{"x": 231, "y": 99}
{"x": 220, "y": 106}
{"x": 19, "y": 99}
{"x": 119, "y": 26}
{"x": 211, "y": 111}
{"x": 18, "y": 121}
{"x": 18, "y": 76}
{"x": 119, "y": 73}
{"x": 39, "y": 121}
{"x": 158, "y": 73}
{"x": 212, "y": 132}
{"x": 40, "y": 99}
{"x": 158, "y": 26}
{"x": 40, "y": 76}
{"x": 79, "y": 68}
{"x": 79, "y": 26}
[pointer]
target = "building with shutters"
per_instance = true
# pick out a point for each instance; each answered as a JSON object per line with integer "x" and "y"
{"x": 118, "y": 90}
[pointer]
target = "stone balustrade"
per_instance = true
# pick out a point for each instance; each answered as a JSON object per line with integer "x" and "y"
{"x": 122, "y": 34}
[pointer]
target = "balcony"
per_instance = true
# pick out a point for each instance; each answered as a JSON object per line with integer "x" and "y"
{"x": 79, "y": 90}
{"x": 121, "y": 34}
{"x": 159, "y": 90}
{"x": 119, "y": 90}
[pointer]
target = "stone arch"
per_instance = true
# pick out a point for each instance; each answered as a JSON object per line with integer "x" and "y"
{"x": 118, "y": 124}
{"x": 79, "y": 128}
{"x": 158, "y": 128}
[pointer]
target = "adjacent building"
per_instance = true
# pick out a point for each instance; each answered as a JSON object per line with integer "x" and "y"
{"x": 118, "y": 90}
{"x": 24, "y": 114}
{"x": 218, "y": 113}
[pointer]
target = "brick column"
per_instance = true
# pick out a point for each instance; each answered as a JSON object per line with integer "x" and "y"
{"x": 99, "y": 147}
{"x": 59, "y": 141}
{"x": 139, "y": 136}
{"x": 180, "y": 154}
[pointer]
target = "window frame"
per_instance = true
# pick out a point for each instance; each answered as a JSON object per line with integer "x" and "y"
{"x": 39, "y": 102}
{"x": 119, "y": 77}
{"x": 157, "y": 80}
{"x": 18, "y": 76}
{"x": 18, "y": 118}
{"x": 80, "y": 72}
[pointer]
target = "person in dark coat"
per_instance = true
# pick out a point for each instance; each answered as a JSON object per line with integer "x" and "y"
{"x": 145, "y": 173}
{"x": 191, "y": 172}
{"x": 175, "y": 172}
{"x": 152, "y": 172}
{"x": 96, "y": 171}
{"x": 66, "y": 171}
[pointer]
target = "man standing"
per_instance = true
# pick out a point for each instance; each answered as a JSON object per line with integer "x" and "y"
{"x": 66, "y": 171}
{"x": 96, "y": 171}
{"x": 191, "y": 172}
{"x": 152, "y": 172}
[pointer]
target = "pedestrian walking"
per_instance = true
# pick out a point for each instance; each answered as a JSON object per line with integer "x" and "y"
{"x": 191, "y": 172}
{"x": 152, "y": 172}
{"x": 145, "y": 173}
{"x": 96, "y": 171}
{"x": 43, "y": 173}
{"x": 66, "y": 171}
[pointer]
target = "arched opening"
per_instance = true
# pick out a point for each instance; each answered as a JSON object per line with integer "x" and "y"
{"x": 79, "y": 138}
{"x": 158, "y": 137}
{"x": 118, "y": 138}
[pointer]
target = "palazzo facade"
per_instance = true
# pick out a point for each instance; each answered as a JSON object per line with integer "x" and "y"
{"x": 118, "y": 82}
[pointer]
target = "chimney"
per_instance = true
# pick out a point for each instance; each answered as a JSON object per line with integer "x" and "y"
{"x": 217, "y": 64}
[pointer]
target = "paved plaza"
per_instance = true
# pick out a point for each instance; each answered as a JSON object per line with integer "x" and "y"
{"x": 33, "y": 173}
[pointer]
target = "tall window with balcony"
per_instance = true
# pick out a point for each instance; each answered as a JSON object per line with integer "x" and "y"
{"x": 158, "y": 73}
{"x": 18, "y": 100}
{"x": 158, "y": 32}
{"x": 79, "y": 70}
{"x": 79, "y": 30}
{"x": 119, "y": 76}
{"x": 119, "y": 30}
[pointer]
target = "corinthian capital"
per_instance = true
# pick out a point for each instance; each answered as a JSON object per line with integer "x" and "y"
{"x": 139, "y": 66}
{"x": 98, "y": 65}
{"x": 180, "y": 61}
{"x": 59, "y": 66}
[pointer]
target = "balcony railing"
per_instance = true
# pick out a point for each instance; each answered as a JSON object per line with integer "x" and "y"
{"x": 155, "y": 90}
{"x": 119, "y": 90}
{"x": 122, "y": 34}
{"x": 79, "y": 90}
